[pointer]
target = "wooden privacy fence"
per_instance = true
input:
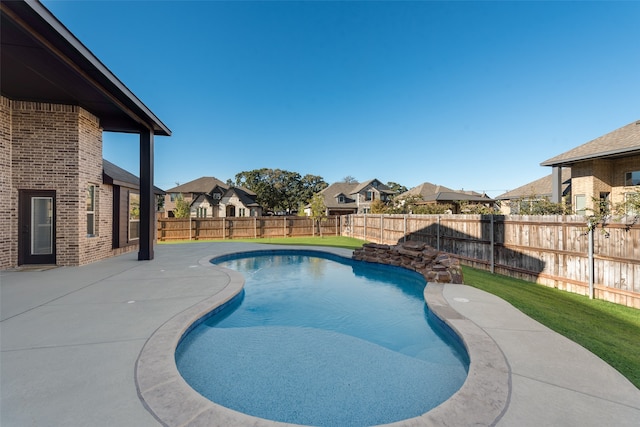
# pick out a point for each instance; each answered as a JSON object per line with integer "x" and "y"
{"x": 551, "y": 250}
{"x": 244, "y": 227}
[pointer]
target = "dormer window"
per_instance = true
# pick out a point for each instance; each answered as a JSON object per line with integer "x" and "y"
{"x": 216, "y": 196}
{"x": 341, "y": 199}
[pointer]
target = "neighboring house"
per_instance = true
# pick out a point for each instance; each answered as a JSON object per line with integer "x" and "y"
{"x": 203, "y": 195}
{"x": 510, "y": 202}
{"x": 343, "y": 198}
{"x": 604, "y": 170}
{"x": 432, "y": 194}
{"x": 56, "y": 99}
{"x": 208, "y": 197}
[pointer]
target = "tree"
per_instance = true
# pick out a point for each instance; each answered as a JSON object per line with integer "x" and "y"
{"x": 349, "y": 180}
{"x": 397, "y": 188}
{"x": 280, "y": 190}
{"x": 182, "y": 209}
{"x": 318, "y": 210}
{"x": 378, "y": 207}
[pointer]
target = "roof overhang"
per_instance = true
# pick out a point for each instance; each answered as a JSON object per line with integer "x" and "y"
{"x": 42, "y": 61}
{"x": 612, "y": 154}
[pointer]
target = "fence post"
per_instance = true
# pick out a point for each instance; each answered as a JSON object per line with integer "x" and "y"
{"x": 404, "y": 228}
{"x": 224, "y": 229}
{"x": 255, "y": 227}
{"x": 381, "y": 229}
{"x": 492, "y": 246}
{"x": 438, "y": 234}
{"x": 591, "y": 267}
{"x": 284, "y": 226}
{"x": 365, "y": 227}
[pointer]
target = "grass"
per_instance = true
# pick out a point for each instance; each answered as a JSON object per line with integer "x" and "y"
{"x": 611, "y": 331}
{"x": 333, "y": 241}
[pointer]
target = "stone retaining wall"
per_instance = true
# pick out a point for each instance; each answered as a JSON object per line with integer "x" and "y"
{"x": 435, "y": 266}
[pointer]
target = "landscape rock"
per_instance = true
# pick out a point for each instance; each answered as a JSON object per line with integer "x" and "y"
{"x": 434, "y": 265}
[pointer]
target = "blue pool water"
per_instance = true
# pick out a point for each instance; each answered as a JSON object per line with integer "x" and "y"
{"x": 323, "y": 341}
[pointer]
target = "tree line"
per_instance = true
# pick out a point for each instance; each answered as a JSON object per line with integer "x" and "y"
{"x": 280, "y": 190}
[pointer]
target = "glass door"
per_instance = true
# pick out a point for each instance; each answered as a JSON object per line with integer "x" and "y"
{"x": 36, "y": 222}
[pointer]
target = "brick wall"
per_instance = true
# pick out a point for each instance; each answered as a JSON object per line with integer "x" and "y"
{"x": 620, "y": 167}
{"x": 602, "y": 176}
{"x": 8, "y": 218}
{"x": 54, "y": 147}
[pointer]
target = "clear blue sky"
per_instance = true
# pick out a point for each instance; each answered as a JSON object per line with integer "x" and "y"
{"x": 470, "y": 95}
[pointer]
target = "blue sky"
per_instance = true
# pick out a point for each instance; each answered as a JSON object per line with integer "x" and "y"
{"x": 469, "y": 95}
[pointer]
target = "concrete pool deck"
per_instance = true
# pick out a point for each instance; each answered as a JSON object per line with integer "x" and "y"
{"x": 73, "y": 343}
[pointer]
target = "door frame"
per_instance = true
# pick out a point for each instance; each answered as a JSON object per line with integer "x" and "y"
{"x": 24, "y": 228}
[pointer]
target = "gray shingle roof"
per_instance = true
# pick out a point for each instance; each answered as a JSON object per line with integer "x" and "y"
{"x": 457, "y": 196}
{"x": 539, "y": 187}
{"x": 426, "y": 189}
{"x": 624, "y": 140}
{"x": 331, "y": 193}
{"x": 115, "y": 175}
{"x": 203, "y": 185}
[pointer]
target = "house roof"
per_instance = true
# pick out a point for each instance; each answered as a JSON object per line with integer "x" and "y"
{"x": 336, "y": 189}
{"x": 380, "y": 187}
{"x": 457, "y": 196}
{"x": 42, "y": 61}
{"x": 540, "y": 187}
{"x": 620, "y": 142}
{"x": 244, "y": 195}
{"x": 204, "y": 184}
{"x": 115, "y": 175}
{"x": 426, "y": 189}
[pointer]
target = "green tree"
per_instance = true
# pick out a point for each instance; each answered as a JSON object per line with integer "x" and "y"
{"x": 538, "y": 205}
{"x": 278, "y": 189}
{"x": 349, "y": 180}
{"x": 397, "y": 188}
{"x": 318, "y": 210}
{"x": 182, "y": 209}
{"x": 378, "y": 207}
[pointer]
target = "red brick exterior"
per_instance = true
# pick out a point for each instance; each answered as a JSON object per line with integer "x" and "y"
{"x": 54, "y": 147}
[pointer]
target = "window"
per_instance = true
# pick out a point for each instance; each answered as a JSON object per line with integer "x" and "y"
{"x": 341, "y": 199}
{"x": 91, "y": 210}
{"x": 173, "y": 196}
{"x": 632, "y": 178}
{"x": 202, "y": 212}
{"x": 604, "y": 203}
{"x": 581, "y": 204}
{"x": 632, "y": 203}
{"x": 216, "y": 196}
{"x": 369, "y": 196}
{"x": 134, "y": 216}
{"x": 241, "y": 212}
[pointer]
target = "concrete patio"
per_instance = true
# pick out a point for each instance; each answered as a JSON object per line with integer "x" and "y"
{"x": 71, "y": 339}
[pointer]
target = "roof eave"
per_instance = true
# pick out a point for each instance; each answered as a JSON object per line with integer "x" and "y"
{"x": 605, "y": 154}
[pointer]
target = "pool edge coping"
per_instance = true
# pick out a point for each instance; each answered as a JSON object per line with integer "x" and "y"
{"x": 482, "y": 399}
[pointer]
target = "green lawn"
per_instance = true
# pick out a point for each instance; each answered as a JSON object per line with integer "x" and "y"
{"x": 334, "y": 241}
{"x": 608, "y": 330}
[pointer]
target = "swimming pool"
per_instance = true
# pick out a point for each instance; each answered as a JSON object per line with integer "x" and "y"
{"x": 372, "y": 355}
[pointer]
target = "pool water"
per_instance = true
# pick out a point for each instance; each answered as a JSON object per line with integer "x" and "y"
{"x": 323, "y": 341}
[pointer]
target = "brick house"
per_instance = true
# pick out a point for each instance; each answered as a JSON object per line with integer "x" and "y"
{"x": 432, "y": 194}
{"x": 604, "y": 170}
{"x": 56, "y": 99}
{"x": 511, "y": 201}
{"x": 209, "y": 197}
{"x": 341, "y": 198}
